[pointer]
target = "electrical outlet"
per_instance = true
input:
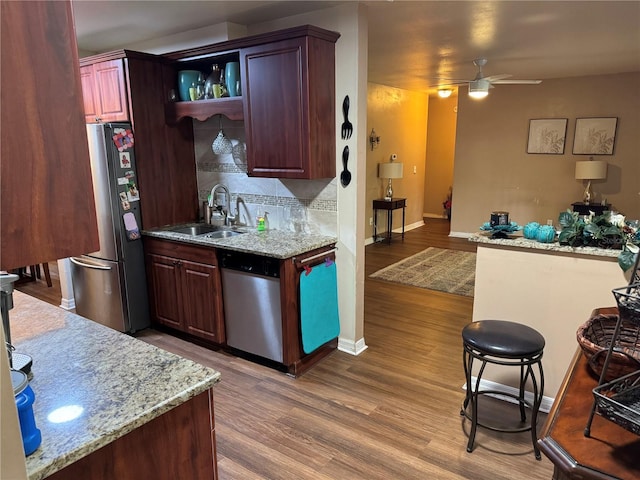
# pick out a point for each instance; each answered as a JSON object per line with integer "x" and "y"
{"x": 370, "y": 220}
{"x": 550, "y": 222}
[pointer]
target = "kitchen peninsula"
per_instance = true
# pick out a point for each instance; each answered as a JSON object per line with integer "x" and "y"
{"x": 547, "y": 286}
{"x": 111, "y": 406}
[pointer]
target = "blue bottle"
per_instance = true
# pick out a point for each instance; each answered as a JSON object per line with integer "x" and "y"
{"x": 232, "y": 74}
{"x": 31, "y": 436}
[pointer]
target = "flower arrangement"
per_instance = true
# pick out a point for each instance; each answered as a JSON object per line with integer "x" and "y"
{"x": 609, "y": 230}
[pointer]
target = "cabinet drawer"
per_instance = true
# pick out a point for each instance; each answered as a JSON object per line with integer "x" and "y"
{"x": 181, "y": 250}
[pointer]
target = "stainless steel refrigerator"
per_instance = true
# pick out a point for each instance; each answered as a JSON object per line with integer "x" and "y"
{"x": 109, "y": 285}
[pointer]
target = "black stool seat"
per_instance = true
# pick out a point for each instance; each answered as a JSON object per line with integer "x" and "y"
{"x": 503, "y": 339}
{"x": 510, "y": 344}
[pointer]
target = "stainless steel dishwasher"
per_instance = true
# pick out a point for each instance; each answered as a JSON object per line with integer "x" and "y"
{"x": 251, "y": 293}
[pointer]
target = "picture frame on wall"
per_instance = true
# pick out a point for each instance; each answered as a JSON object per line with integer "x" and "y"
{"x": 547, "y": 136}
{"x": 595, "y": 136}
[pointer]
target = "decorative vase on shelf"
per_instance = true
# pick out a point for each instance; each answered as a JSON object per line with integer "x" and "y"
{"x": 232, "y": 75}
{"x": 530, "y": 230}
{"x": 186, "y": 79}
{"x": 546, "y": 234}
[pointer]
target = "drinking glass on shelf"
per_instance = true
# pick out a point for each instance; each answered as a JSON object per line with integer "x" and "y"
{"x": 298, "y": 218}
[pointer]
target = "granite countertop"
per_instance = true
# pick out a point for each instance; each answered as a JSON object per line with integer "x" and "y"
{"x": 119, "y": 382}
{"x": 271, "y": 243}
{"x": 518, "y": 241}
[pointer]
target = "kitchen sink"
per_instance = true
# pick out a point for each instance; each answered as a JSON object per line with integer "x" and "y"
{"x": 196, "y": 229}
{"x": 222, "y": 234}
{"x": 208, "y": 231}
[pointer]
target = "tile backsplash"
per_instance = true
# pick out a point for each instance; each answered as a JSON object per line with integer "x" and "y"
{"x": 307, "y": 205}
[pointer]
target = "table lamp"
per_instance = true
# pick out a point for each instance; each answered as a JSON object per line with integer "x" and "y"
{"x": 590, "y": 170}
{"x": 390, "y": 170}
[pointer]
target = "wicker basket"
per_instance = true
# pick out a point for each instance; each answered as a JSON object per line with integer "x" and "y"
{"x": 594, "y": 338}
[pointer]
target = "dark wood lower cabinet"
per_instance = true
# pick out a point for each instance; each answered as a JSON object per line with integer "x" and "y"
{"x": 184, "y": 288}
{"x": 178, "y": 444}
{"x": 185, "y": 294}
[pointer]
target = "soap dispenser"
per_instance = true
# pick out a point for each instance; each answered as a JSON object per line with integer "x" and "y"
{"x": 262, "y": 221}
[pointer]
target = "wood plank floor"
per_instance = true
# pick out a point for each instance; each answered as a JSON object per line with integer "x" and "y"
{"x": 390, "y": 413}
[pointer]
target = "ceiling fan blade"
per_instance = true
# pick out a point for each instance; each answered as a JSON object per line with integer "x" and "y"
{"x": 493, "y": 78}
{"x": 517, "y": 82}
{"x": 449, "y": 83}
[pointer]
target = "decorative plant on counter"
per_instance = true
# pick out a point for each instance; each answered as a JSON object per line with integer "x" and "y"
{"x": 609, "y": 230}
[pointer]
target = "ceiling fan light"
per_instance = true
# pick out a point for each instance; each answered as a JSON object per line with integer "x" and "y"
{"x": 478, "y": 88}
{"x": 444, "y": 92}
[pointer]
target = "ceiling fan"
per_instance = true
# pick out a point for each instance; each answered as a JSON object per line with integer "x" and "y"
{"x": 480, "y": 85}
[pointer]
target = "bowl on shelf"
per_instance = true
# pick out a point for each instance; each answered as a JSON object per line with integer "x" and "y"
{"x": 594, "y": 338}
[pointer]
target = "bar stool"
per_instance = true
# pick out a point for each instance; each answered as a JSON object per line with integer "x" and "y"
{"x": 503, "y": 343}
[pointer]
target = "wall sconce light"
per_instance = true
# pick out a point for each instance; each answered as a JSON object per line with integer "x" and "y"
{"x": 479, "y": 88}
{"x": 444, "y": 92}
{"x": 590, "y": 170}
{"x": 390, "y": 170}
{"x": 374, "y": 139}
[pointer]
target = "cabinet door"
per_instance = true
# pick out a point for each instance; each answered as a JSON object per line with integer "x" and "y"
{"x": 89, "y": 94}
{"x": 289, "y": 108}
{"x": 201, "y": 300}
{"x": 274, "y": 104}
{"x": 104, "y": 92}
{"x": 47, "y": 206}
{"x": 165, "y": 291}
{"x": 112, "y": 95}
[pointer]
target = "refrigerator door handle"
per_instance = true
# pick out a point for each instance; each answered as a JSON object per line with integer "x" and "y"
{"x": 87, "y": 265}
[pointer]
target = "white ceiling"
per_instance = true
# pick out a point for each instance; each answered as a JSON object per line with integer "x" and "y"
{"x": 412, "y": 43}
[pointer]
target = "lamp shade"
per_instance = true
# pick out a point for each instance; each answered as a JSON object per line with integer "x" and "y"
{"x": 390, "y": 170}
{"x": 591, "y": 170}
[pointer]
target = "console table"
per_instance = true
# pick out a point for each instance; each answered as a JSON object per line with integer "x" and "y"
{"x": 583, "y": 208}
{"x": 389, "y": 206}
{"x": 611, "y": 452}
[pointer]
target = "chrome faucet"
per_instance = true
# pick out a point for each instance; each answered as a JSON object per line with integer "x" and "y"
{"x": 229, "y": 219}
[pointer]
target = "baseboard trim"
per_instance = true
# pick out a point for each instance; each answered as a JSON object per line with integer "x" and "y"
{"x": 382, "y": 238}
{"x": 460, "y": 234}
{"x": 351, "y": 347}
{"x": 545, "y": 406}
{"x": 433, "y": 215}
{"x": 68, "y": 304}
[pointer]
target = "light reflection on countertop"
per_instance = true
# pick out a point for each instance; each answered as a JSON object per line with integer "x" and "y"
{"x": 105, "y": 382}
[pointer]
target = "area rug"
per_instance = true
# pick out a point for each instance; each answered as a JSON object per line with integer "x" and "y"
{"x": 439, "y": 269}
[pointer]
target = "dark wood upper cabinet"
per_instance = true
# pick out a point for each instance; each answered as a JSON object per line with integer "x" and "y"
{"x": 47, "y": 208}
{"x": 104, "y": 92}
{"x": 164, "y": 152}
{"x": 289, "y": 108}
{"x": 288, "y": 99}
